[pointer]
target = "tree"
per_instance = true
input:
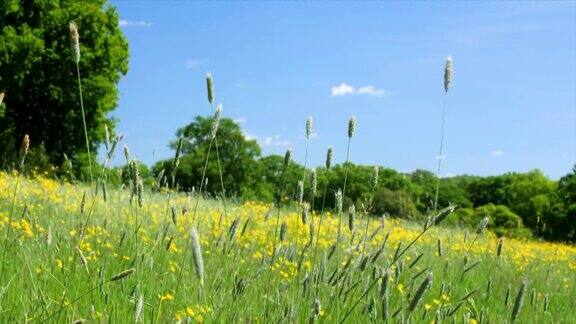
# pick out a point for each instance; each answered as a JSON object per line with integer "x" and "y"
{"x": 237, "y": 157}
{"x": 38, "y": 75}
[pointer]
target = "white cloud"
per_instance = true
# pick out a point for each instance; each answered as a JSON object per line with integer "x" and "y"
{"x": 497, "y": 153}
{"x": 342, "y": 90}
{"x": 345, "y": 89}
{"x": 371, "y": 91}
{"x": 268, "y": 140}
{"x": 440, "y": 157}
{"x": 136, "y": 23}
{"x": 192, "y": 63}
{"x": 240, "y": 120}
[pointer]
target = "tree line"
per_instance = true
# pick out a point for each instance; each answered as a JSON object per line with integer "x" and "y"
{"x": 519, "y": 204}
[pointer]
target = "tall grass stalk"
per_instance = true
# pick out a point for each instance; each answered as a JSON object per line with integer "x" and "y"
{"x": 374, "y": 184}
{"x": 210, "y": 95}
{"x": 441, "y": 216}
{"x": 328, "y": 165}
{"x": 23, "y": 153}
{"x": 195, "y": 210}
{"x": 75, "y": 39}
{"x": 440, "y": 157}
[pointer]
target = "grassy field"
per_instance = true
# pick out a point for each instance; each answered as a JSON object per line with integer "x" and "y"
{"x": 61, "y": 251}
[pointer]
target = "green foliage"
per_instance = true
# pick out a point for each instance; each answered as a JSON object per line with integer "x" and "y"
{"x": 237, "y": 157}
{"x": 39, "y": 76}
{"x": 502, "y": 220}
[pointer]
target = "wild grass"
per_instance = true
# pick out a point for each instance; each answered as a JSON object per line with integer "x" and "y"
{"x": 101, "y": 282}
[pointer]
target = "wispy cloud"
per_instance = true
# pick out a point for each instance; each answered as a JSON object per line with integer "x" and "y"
{"x": 240, "y": 120}
{"x": 268, "y": 140}
{"x": 192, "y": 62}
{"x": 344, "y": 89}
{"x": 134, "y": 23}
{"x": 497, "y": 153}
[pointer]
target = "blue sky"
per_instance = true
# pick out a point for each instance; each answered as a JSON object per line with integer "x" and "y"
{"x": 511, "y": 107}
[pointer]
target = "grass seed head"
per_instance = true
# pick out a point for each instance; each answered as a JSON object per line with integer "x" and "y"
{"x": 448, "y": 73}
{"x": 123, "y": 274}
{"x": 329, "y": 156}
{"x": 127, "y": 154}
{"x": 338, "y": 198}
{"x": 351, "y": 126}
{"x": 500, "y": 246}
{"x": 420, "y": 292}
{"x": 210, "y": 87}
{"x": 300, "y": 192}
{"x": 482, "y": 225}
{"x": 305, "y": 213}
{"x": 75, "y": 40}
{"x": 197, "y": 254}
{"x": 351, "y": 217}
{"x": 313, "y": 182}
{"x": 308, "y": 127}
{"x": 519, "y": 300}
{"x": 375, "y": 177}
{"x": 287, "y": 158}
{"x": 443, "y": 214}
{"x": 216, "y": 121}
{"x": 283, "y": 231}
{"x": 138, "y": 309}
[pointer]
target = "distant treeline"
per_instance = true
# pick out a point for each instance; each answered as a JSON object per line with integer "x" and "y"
{"x": 518, "y": 204}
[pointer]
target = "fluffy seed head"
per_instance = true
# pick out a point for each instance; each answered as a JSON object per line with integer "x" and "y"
{"x": 313, "y": 181}
{"x": 127, "y": 154}
{"x": 338, "y": 198}
{"x": 106, "y": 138}
{"x": 351, "y": 217}
{"x": 443, "y": 214}
{"x": 123, "y": 274}
{"x": 385, "y": 282}
{"x": 216, "y": 121}
{"x": 174, "y": 215}
{"x": 138, "y": 309}
{"x": 197, "y": 255}
{"x": 482, "y": 225}
{"x": 300, "y": 192}
{"x": 329, "y": 156}
{"x": 287, "y": 157}
{"x": 305, "y": 213}
{"x": 178, "y": 152}
{"x": 519, "y": 300}
{"x": 448, "y": 73}
{"x": 75, "y": 39}
{"x": 210, "y": 87}
{"x": 25, "y": 144}
{"x": 308, "y": 127}
{"x": 420, "y": 292}
{"x": 283, "y": 230}
{"x": 439, "y": 244}
{"x": 375, "y": 177}
{"x": 500, "y": 246}
{"x": 351, "y": 126}
{"x": 24, "y": 149}
{"x": 316, "y": 307}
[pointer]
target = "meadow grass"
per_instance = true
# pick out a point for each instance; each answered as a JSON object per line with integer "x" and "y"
{"x": 52, "y": 274}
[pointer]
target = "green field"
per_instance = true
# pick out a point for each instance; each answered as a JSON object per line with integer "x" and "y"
{"x": 62, "y": 250}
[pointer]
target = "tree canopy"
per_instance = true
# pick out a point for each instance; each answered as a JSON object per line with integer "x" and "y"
{"x": 39, "y": 77}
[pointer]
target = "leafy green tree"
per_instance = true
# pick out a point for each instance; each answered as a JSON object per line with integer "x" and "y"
{"x": 562, "y": 222}
{"x": 38, "y": 75}
{"x": 237, "y": 156}
{"x": 503, "y": 221}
